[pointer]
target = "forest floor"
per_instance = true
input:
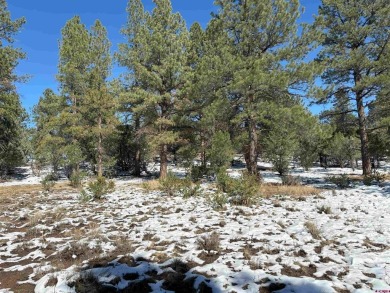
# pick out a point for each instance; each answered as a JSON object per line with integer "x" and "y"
{"x": 137, "y": 240}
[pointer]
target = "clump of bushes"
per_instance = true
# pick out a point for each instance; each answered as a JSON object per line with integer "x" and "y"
{"x": 191, "y": 190}
{"x": 76, "y": 178}
{"x": 241, "y": 191}
{"x": 341, "y": 181}
{"x": 172, "y": 185}
{"x": 219, "y": 200}
{"x": 97, "y": 189}
{"x": 198, "y": 172}
{"x": 374, "y": 177}
{"x": 48, "y": 182}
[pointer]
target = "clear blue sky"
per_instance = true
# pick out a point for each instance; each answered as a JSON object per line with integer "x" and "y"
{"x": 40, "y": 35}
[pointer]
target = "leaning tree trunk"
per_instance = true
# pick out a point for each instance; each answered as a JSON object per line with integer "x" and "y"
{"x": 366, "y": 163}
{"x": 163, "y": 161}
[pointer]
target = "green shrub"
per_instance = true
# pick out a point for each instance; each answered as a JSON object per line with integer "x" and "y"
{"x": 197, "y": 172}
{"x": 241, "y": 191}
{"x": 374, "y": 177}
{"x": 76, "y": 178}
{"x": 48, "y": 182}
{"x": 101, "y": 186}
{"x": 171, "y": 185}
{"x": 378, "y": 177}
{"x": 368, "y": 180}
{"x": 191, "y": 190}
{"x": 341, "y": 181}
{"x": 219, "y": 200}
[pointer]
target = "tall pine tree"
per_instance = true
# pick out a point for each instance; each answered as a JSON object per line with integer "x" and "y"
{"x": 157, "y": 58}
{"x": 11, "y": 112}
{"x": 98, "y": 106}
{"x": 267, "y": 60}
{"x": 355, "y": 49}
{"x": 73, "y": 78}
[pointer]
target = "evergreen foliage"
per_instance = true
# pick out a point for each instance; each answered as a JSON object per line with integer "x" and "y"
{"x": 200, "y": 95}
{"x": 354, "y": 38}
{"x": 12, "y": 114}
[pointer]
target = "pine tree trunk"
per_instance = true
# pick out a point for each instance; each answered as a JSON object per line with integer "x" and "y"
{"x": 366, "y": 163}
{"x": 163, "y": 161}
{"x": 100, "y": 149}
{"x": 203, "y": 151}
{"x": 252, "y": 151}
{"x": 137, "y": 163}
{"x": 137, "y": 159}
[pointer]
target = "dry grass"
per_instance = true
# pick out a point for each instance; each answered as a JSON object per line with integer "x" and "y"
{"x": 355, "y": 177}
{"x": 313, "y": 230}
{"x": 269, "y": 190}
{"x": 31, "y": 188}
{"x": 151, "y": 185}
{"x": 209, "y": 242}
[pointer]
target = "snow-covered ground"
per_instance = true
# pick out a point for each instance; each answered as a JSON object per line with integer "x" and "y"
{"x": 142, "y": 238}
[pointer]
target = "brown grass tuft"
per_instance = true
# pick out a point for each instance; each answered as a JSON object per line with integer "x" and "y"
{"x": 31, "y": 188}
{"x": 151, "y": 185}
{"x": 269, "y": 190}
{"x": 313, "y": 230}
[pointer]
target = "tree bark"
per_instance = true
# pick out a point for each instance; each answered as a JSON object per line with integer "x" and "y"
{"x": 203, "y": 151}
{"x": 252, "y": 150}
{"x": 366, "y": 163}
{"x": 137, "y": 159}
{"x": 100, "y": 148}
{"x": 163, "y": 161}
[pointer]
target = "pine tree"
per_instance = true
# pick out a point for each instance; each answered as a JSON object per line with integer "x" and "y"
{"x": 49, "y": 140}
{"x": 267, "y": 60}
{"x": 98, "y": 105}
{"x": 73, "y": 78}
{"x": 355, "y": 45}
{"x": 157, "y": 59}
{"x": 12, "y": 114}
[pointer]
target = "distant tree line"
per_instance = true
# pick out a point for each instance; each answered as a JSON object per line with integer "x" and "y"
{"x": 237, "y": 86}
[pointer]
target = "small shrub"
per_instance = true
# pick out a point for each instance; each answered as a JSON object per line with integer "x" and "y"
{"x": 243, "y": 190}
{"x": 171, "y": 185}
{"x": 198, "y": 172}
{"x": 290, "y": 180}
{"x": 379, "y": 177}
{"x": 313, "y": 230}
{"x": 341, "y": 181}
{"x": 85, "y": 196}
{"x": 151, "y": 185}
{"x": 324, "y": 210}
{"x": 48, "y": 182}
{"x": 96, "y": 189}
{"x": 76, "y": 178}
{"x": 210, "y": 242}
{"x": 190, "y": 190}
{"x": 368, "y": 180}
{"x": 374, "y": 177}
{"x": 219, "y": 200}
{"x": 87, "y": 282}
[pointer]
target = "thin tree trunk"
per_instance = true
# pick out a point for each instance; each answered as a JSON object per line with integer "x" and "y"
{"x": 203, "y": 151}
{"x": 366, "y": 163}
{"x": 163, "y": 161}
{"x": 137, "y": 163}
{"x": 100, "y": 148}
{"x": 252, "y": 151}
